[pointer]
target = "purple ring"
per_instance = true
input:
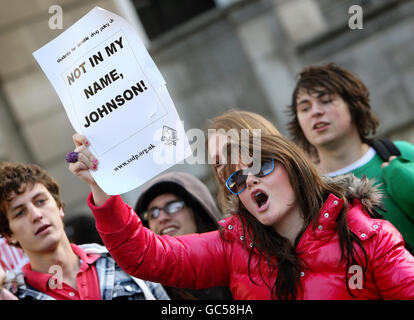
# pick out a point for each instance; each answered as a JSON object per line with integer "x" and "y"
{"x": 72, "y": 157}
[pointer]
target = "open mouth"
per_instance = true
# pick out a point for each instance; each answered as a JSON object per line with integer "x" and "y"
{"x": 260, "y": 198}
{"x": 42, "y": 228}
{"x": 168, "y": 230}
{"x": 320, "y": 125}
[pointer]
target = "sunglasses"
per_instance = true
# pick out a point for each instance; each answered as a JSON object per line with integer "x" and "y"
{"x": 236, "y": 183}
{"x": 170, "y": 208}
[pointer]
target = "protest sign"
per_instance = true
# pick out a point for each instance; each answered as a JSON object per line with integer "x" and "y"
{"x": 114, "y": 94}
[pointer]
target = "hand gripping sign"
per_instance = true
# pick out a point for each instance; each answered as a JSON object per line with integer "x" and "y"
{"x": 114, "y": 94}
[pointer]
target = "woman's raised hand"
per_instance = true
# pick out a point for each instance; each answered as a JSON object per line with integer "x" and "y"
{"x": 85, "y": 161}
{"x": 80, "y": 162}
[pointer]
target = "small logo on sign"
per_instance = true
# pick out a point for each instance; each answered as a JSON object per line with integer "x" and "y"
{"x": 169, "y": 136}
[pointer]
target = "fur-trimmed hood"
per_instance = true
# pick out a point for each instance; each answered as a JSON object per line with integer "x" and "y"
{"x": 362, "y": 189}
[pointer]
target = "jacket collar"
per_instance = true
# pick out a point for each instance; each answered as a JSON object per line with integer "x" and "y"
{"x": 358, "y": 219}
{"x": 40, "y": 280}
{"x": 326, "y": 222}
{"x": 232, "y": 229}
{"x": 232, "y": 226}
{"x": 359, "y": 222}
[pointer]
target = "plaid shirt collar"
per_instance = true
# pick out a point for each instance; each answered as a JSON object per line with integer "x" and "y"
{"x": 107, "y": 273}
{"x": 40, "y": 281}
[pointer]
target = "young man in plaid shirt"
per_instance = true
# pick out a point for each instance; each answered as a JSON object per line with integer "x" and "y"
{"x": 31, "y": 213}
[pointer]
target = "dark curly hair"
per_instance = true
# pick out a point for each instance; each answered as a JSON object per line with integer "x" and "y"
{"x": 333, "y": 79}
{"x": 14, "y": 179}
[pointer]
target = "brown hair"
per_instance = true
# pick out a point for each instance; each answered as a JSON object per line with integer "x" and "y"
{"x": 333, "y": 79}
{"x": 237, "y": 119}
{"x": 310, "y": 190}
{"x": 14, "y": 179}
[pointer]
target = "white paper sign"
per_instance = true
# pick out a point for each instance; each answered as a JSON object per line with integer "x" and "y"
{"x": 114, "y": 94}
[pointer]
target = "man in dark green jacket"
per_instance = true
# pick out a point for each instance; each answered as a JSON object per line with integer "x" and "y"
{"x": 331, "y": 119}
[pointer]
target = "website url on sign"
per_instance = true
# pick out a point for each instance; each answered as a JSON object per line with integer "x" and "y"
{"x": 134, "y": 157}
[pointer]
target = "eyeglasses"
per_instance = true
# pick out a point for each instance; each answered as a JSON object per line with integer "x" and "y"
{"x": 170, "y": 208}
{"x": 236, "y": 183}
